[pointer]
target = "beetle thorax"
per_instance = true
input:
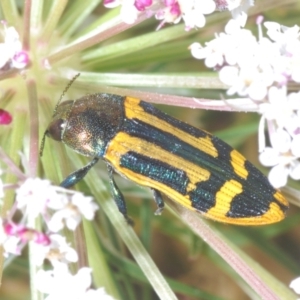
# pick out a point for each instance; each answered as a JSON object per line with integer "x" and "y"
{"x": 92, "y": 123}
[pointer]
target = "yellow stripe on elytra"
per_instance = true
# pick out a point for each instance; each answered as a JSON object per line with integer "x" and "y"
{"x": 226, "y": 194}
{"x": 238, "y": 164}
{"x": 273, "y": 215}
{"x": 134, "y": 110}
{"x": 224, "y": 198}
{"x": 280, "y": 198}
{"x": 123, "y": 142}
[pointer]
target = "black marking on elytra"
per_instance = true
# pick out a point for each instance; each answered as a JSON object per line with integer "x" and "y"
{"x": 264, "y": 186}
{"x": 203, "y": 197}
{"x": 174, "y": 122}
{"x": 256, "y": 197}
{"x": 257, "y": 194}
{"x": 157, "y": 170}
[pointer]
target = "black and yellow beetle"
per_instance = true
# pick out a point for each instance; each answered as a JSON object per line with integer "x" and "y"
{"x": 189, "y": 165}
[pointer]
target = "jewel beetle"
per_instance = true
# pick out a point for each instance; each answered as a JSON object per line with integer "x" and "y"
{"x": 189, "y": 165}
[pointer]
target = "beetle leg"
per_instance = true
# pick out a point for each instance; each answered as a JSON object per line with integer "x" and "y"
{"x": 76, "y": 176}
{"x": 117, "y": 195}
{"x": 159, "y": 202}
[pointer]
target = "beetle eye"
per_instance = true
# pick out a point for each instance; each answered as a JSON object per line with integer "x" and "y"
{"x": 55, "y": 129}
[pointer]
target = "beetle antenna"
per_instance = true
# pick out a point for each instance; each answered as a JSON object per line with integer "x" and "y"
{"x": 55, "y": 109}
{"x": 43, "y": 144}
{"x": 64, "y": 92}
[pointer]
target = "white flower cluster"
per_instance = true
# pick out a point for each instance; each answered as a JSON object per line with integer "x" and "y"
{"x": 192, "y": 12}
{"x": 36, "y": 196}
{"x": 295, "y": 285}
{"x": 60, "y": 284}
{"x": 11, "y": 53}
{"x": 260, "y": 69}
{"x": 58, "y": 208}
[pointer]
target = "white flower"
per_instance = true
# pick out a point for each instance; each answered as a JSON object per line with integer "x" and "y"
{"x": 14, "y": 236}
{"x": 171, "y": 11}
{"x": 247, "y": 81}
{"x": 272, "y": 110}
{"x": 253, "y": 71}
{"x": 34, "y": 194}
{"x": 250, "y": 66}
{"x": 239, "y": 9}
{"x": 11, "y": 50}
{"x": 10, "y": 243}
{"x": 85, "y": 205}
{"x": 282, "y": 34}
{"x": 295, "y": 285}
{"x": 282, "y": 108}
{"x": 228, "y": 48}
{"x": 213, "y": 53}
{"x": 128, "y": 11}
{"x": 229, "y": 75}
{"x": 287, "y": 40}
{"x": 58, "y": 251}
{"x": 283, "y": 157}
{"x": 193, "y": 12}
{"x": 70, "y": 212}
{"x": 11, "y": 45}
{"x": 99, "y": 294}
{"x": 60, "y": 284}
{"x": 111, "y": 3}
{"x": 12, "y": 246}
